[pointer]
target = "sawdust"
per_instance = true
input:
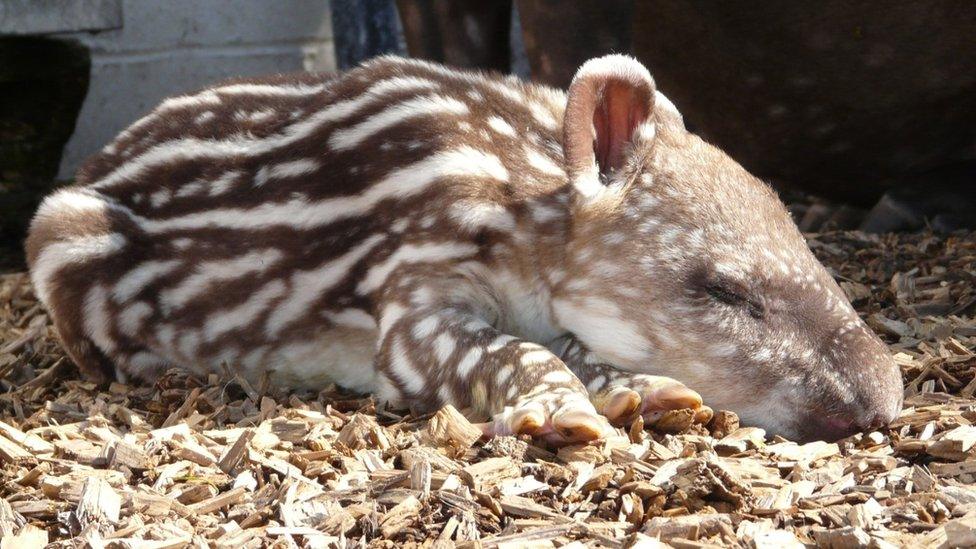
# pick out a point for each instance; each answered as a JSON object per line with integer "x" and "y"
{"x": 211, "y": 462}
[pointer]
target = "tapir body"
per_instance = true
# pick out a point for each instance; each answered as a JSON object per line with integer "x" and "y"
{"x": 433, "y": 236}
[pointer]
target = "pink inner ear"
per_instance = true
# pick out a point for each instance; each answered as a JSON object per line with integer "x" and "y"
{"x": 618, "y": 113}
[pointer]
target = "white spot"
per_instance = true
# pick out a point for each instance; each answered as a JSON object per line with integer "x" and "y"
{"x": 557, "y": 376}
{"x": 542, "y": 163}
{"x": 597, "y": 383}
{"x": 499, "y": 125}
{"x": 224, "y": 183}
{"x": 160, "y": 198}
{"x": 190, "y": 189}
{"x": 399, "y": 225}
{"x": 544, "y": 213}
{"x": 204, "y": 117}
{"x": 542, "y": 115}
{"x": 536, "y": 357}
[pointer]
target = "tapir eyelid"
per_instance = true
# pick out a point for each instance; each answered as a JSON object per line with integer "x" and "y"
{"x": 729, "y": 296}
{"x": 725, "y": 294}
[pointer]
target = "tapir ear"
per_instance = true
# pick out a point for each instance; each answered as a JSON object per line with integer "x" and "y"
{"x": 609, "y": 99}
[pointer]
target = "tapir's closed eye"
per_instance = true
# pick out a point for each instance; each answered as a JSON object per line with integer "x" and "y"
{"x": 735, "y": 295}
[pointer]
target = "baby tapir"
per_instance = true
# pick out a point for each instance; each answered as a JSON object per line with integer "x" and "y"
{"x": 433, "y": 236}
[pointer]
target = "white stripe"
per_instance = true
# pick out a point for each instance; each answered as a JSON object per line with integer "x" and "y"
{"x": 307, "y": 287}
{"x": 426, "y": 327}
{"x": 223, "y": 183}
{"x": 211, "y": 272}
{"x": 189, "y": 345}
{"x": 390, "y": 315}
{"x": 510, "y": 90}
{"x": 444, "y": 347}
{"x": 401, "y": 183}
{"x": 499, "y": 343}
{"x": 276, "y": 90}
{"x": 144, "y": 361}
{"x": 132, "y": 317}
{"x": 293, "y": 168}
{"x": 189, "y": 148}
{"x": 58, "y": 255}
{"x": 206, "y": 98}
{"x": 138, "y": 278}
{"x": 352, "y": 318}
{"x": 256, "y": 117}
{"x": 404, "y": 369}
{"x": 472, "y": 216}
{"x": 211, "y": 97}
{"x": 430, "y": 105}
{"x": 468, "y": 363}
{"x": 412, "y": 253}
{"x": 190, "y": 189}
{"x": 73, "y": 200}
{"x": 240, "y": 316}
{"x": 402, "y": 83}
{"x": 96, "y": 320}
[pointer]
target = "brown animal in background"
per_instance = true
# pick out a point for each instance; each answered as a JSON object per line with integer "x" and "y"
{"x": 435, "y": 236}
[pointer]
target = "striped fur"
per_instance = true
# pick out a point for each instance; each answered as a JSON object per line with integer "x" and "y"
{"x": 402, "y": 229}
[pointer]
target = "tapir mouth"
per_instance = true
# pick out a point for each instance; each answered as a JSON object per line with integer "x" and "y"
{"x": 830, "y": 427}
{"x": 833, "y": 426}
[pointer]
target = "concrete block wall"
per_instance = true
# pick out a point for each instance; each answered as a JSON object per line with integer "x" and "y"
{"x": 164, "y": 47}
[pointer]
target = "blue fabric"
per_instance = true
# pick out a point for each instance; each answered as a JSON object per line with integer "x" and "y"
{"x": 364, "y": 29}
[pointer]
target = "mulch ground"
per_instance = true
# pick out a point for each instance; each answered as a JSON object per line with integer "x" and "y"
{"x": 212, "y": 462}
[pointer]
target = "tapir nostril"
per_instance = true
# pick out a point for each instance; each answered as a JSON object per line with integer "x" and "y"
{"x": 875, "y": 423}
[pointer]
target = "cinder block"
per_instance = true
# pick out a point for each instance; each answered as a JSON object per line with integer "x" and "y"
{"x": 165, "y": 48}
{"x": 25, "y": 17}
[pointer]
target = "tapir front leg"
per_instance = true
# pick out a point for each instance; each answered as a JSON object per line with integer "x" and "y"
{"x": 438, "y": 346}
{"x": 621, "y": 395}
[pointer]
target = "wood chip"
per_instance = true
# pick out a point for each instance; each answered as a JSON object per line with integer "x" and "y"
{"x": 449, "y": 428}
{"x": 241, "y": 464}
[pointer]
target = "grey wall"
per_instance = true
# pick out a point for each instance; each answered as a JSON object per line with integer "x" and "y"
{"x": 163, "y": 47}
